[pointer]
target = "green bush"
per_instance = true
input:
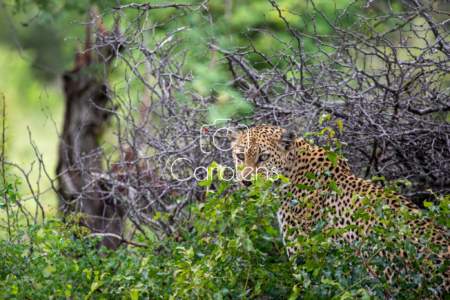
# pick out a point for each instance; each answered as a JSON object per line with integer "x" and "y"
{"x": 232, "y": 251}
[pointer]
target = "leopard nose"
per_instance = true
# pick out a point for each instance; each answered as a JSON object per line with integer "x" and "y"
{"x": 247, "y": 182}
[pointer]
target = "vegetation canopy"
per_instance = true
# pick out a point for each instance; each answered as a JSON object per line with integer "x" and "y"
{"x": 232, "y": 252}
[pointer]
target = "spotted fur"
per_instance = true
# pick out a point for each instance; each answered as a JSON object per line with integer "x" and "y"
{"x": 271, "y": 150}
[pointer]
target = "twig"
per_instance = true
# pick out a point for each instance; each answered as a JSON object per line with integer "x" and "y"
{"x": 3, "y": 163}
{"x": 358, "y": 252}
{"x": 121, "y": 239}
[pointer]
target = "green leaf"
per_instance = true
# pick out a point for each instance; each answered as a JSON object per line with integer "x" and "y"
{"x": 347, "y": 295}
{"x": 319, "y": 226}
{"x": 301, "y": 151}
{"x": 88, "y": 273}
{"x": 310, "y": 175}
{"x": 233, "y": 243}
{"x": 224, "y": 225}
{"x": 316, "y": 272}
{"x": 333, "y": 158}
{"x": 244, "y": 293}
{"x": 340, "y": 125}
{"x": 404, "y": 181}
{"x": 290, "y": 231}
{"x": 210, "y": 177}
{"x": 134, "y": 295}
{"x": 331, "y": 282}
{"x": 348, "y": 227}
{"x": 15, "y": 289}
{"x": 427, "y": 204}
{"x": 222, "y": 187}
{"x": 270, "y": 230}
{"x": 324, "y": 117}
{"x": 205, "y": 183}
{"x": 190, "y": 253}
{"x": 295, "y": 293}
{"x": 95, "y": 285}
{"x": 333, "y": 186}
{"x": 248, "y": 245}
{"x": 305, "y": 187}
{"x": 258, "y": 286}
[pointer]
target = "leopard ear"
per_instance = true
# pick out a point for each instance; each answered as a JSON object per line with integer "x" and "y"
{"x": 286, "y": 140}
{"x": 233, "y": 136}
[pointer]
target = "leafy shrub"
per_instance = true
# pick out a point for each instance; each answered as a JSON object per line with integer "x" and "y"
{"x": 232, "y": 251}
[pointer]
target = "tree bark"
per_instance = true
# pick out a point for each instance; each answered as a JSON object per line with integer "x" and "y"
{"x": 79, "y": 151}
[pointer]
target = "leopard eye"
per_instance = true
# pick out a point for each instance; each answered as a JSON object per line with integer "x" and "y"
{"x": 241, "y": 156}
{"x": 264, "y": 157}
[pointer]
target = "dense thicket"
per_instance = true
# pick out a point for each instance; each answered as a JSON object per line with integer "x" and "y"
{"x": 178, "y": 75}
{"x": 383, "y": 74}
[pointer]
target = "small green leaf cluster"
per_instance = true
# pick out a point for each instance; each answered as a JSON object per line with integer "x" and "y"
{"x": 329, "y": 133}
{"x": 9, "y": 194}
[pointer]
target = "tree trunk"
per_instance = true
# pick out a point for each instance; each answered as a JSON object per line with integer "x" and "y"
{"x": 79, "y": 154}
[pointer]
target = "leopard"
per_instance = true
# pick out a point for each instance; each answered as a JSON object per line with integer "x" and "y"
{"x": 269, "y": 150}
